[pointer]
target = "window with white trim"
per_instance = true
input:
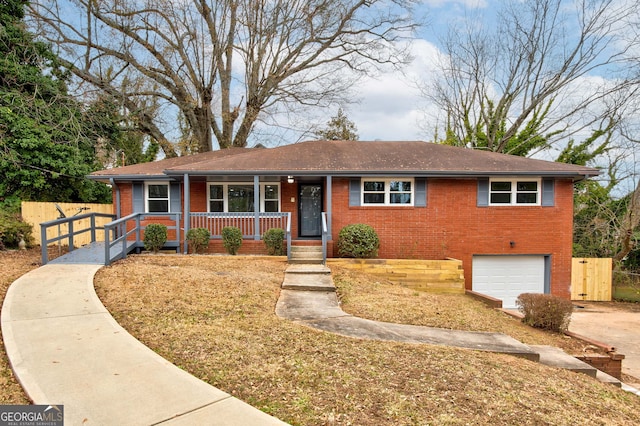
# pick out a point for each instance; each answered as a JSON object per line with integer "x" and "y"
{"x": 157, "y": 197}
{"x": 509, "y": 192}
{"x": 387, "y": 192}
{"x": 239, "y": 197}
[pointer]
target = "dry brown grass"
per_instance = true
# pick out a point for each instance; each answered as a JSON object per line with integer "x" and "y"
{"x": 372, "y": 298}
{"x": 214, "y": 317}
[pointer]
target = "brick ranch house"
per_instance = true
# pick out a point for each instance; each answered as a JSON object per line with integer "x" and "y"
{"x": 508, "y": 218}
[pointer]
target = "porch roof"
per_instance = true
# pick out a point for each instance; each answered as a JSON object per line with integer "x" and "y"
{"x": 351, "y": 158}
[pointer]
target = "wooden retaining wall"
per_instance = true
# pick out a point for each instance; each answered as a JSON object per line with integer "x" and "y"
{"x": 438, "y": 276}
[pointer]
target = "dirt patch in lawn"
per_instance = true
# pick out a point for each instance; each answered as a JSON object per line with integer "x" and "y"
{"x": 214, "y": 317}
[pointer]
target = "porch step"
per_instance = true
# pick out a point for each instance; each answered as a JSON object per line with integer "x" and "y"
{"x": 306, "y": 255}
{"x": 308, "y": 277}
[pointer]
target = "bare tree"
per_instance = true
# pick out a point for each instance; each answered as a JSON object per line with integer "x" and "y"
{"x": 542, "y": 72}
{"x": 222, "y": 64}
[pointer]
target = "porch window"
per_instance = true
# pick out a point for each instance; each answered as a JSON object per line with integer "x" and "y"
{"x": 270, "y": 198}
{"x": 514, "y": 192}
{"x": 384, "y": 192}
{"x": 239, "y": 197}
{"x": 157, "y": 195}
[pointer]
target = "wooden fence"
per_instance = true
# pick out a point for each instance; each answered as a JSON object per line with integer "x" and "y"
{"x": 591, "y": 279}
{"x": 36, "y": 213}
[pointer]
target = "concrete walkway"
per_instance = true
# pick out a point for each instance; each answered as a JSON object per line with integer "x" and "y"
{"x": 321, "y": 310}
{"x": 65, "y": 348}
{"x": 308, "y": 297}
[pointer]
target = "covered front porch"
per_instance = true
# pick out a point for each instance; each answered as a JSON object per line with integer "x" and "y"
{"x": 300, "y": 205}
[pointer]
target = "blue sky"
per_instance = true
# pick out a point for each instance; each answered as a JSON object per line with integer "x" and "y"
{"x": 391, "y": 106}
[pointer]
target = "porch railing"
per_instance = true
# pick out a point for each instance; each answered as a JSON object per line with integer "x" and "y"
{"x": 73, "y": 228}
{"x": 124, "y": 235}
{"x": 288, "y": 235}
{"x": 246, "y": 222}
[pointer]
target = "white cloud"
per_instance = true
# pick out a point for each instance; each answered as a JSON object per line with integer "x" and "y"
{"x": 391, "y": 106}
{"x": 469, "y": 4}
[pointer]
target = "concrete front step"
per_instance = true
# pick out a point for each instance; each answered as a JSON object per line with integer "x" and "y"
{"x": 308, "y": 277}
{"x": 305, "y": 261}
{"x": 308, "y": 282}
{"x": 308, "y": 269}
{"x": 306, "y": 255}
{"x": 306, "y": 248}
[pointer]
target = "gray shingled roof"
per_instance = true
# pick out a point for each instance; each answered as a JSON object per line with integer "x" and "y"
{"x": 353, "y": 158}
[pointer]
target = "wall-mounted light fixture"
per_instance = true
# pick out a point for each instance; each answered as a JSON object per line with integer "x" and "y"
{"x": 512, "y": 244}
{"x": 290, "y": 179}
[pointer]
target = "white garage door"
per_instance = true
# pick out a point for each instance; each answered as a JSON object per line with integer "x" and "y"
{"x": 506, "y": 277}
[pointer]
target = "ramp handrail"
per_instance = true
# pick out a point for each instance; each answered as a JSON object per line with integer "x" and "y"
{"x": 71, "y": 231}
{"x": 288, "y": 234}
{"x": 118, "y": 230}
{"x": 325, "y": 233}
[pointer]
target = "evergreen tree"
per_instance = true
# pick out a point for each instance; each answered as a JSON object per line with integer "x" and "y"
{"x": 45, "y": 148}
{"x": 118, "y": 142}
{"x": 339, "y": 128}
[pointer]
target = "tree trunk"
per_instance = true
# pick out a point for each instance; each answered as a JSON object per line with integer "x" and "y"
{"x": 202, "y": 129}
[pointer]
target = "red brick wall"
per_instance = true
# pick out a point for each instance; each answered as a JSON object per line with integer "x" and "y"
{"x": 198, "y": 196}
{"x": 610, "y": 363}
{"x": 450, "y": 226}
{"x": 126, "y": 198}
{"x": 453, "y": 226}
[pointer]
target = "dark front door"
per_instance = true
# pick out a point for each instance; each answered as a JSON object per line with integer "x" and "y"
{"x": 310, "y": 210}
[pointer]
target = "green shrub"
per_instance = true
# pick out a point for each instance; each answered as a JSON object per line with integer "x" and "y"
{"x": 13, "y": 228}
{"x": 155, "y": 235}
{"x": 198, "y": 239}
{"x": 274, "y": 240}
{"x": 358, "y": 240}
{"x": 231, "y": 239}
{"x": 545, "y": 311}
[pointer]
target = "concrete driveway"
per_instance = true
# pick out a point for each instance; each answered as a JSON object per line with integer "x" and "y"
{"x": 617, "y": 325}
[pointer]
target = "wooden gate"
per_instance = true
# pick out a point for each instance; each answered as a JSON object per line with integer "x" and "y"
{"x": 591, "y": 279}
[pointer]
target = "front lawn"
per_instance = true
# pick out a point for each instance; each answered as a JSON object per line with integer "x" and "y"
{"x": 214, "y": 317}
